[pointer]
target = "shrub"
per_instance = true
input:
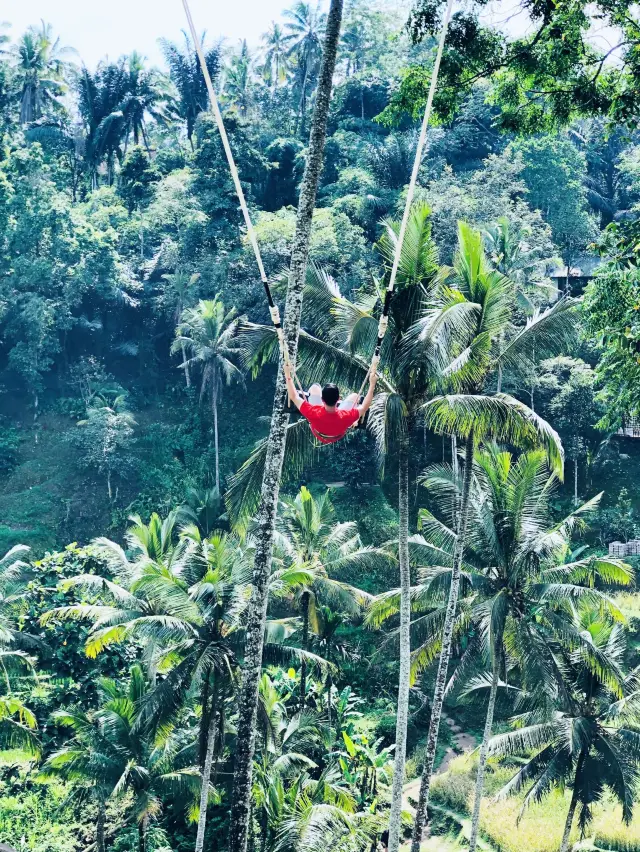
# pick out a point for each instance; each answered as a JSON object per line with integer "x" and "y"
{"x": 455, "y": 787}
{"x": 9, "y": 445}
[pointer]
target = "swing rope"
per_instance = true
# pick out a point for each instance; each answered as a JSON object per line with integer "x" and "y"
{"x": 384, "y": 319}
{"x": 273, "y": 308}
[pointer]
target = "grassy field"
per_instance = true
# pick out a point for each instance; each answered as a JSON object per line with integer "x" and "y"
{"x": 540, "y": 828}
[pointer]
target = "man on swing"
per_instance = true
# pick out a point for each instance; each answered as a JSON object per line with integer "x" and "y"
{"x": 330, "y": 418}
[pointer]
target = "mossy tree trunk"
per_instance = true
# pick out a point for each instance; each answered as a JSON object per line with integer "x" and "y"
{"x": 266, "y": 516}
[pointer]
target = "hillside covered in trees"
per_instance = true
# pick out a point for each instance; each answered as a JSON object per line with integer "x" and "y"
{"x": 429, "y": 640}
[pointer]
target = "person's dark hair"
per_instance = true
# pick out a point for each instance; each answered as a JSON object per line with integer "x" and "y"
{"x": 330, "y": 394}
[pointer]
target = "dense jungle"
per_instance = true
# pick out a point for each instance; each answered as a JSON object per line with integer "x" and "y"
{"x": 217, "y": 633}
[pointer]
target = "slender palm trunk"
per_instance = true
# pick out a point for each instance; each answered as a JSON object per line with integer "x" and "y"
{"x": 206, "y": 774}
{"x": 266, "y": 516}
{"x": 214, "y": 405}
{"x": 204, "y": 722}
{"x": 402, "y": 718}
{"x": 445, "y": 653}
{"x": 100, "y": 842}
{"x": 304, "y": 603}
{"x": 564, "y": 845}
{"x": 143, "y": 825}
{"x": 484, "y": 749}
{"x": 328, "y": 688}
{"x": 575, "y": 481}
{"x": 187, "y": 374}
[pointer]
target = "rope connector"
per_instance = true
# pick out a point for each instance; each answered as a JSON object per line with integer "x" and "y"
{"x": 382, "y": 325}
{"x": 275, "y": 315}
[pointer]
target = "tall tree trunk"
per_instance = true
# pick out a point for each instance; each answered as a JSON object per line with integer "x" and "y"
{"x": 214, "y": 405}
{"x": 266, "y": 516}
{"x": 187, "y": 374}
{"x": 100, "y": 843}
{"x": 575, "y": 481}
{"x": 304, "y": 603}
{"x": 143, "y": 825}
{"x": 204, "y": 722}
{"x": 402, "y": 718}
{"x": 445, "y": 653}
{"x": 484, "y": 749}
{"x": 564, "y": 845}
{"x": 328, "y": 688}
{"x": 206, "y": 772}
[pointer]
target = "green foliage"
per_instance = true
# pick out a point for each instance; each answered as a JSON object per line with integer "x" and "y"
{"x": 137, "y": 177}
{"x": 544, "y": 78}
{"x": 554, "y": 173}
{"x": 611, "y": 318}
{"x": 10, "y": 440}
{"x": 71, "y": 676}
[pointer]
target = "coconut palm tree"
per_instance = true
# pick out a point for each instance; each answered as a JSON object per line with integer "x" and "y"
{"x": 591, "y": 737}
{"x": 238, "y": 79}
{"x": 311, "y": 541}
{"x": 147, "y": 768}
{"x": 517, "y": 577}
{"x": 431, "y": 341}
{"x": 485, "y": 299}
{"x": 88, "y": 761}
{"x": 305, "y": 28}
{"x": 186, "y": 76}
{"x": 181, "y": 288}
{"x": 17, "y": 722}
{"x": 147, "y": 95}
{"x": 40, "y": 66}
{"x": 207, "y": 333}
{"x": 272, "y": 469}
{"x": 184, "y": 598}
{"x": 275, "y": 53}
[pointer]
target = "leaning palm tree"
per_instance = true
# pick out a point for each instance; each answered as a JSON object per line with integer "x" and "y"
{"x": 275, "y": 55}
{"x": 207, "y": 333}
{"x": 517, "y": 576}
{"x": 485, "y": 301}
{"x": 40, "y": 67}
{"x": 590, "y": 738}
{"x": 266, "y": 515}
{"x": 313, "y": 542}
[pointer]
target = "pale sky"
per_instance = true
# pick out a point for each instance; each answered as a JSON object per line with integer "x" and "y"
{"x": 117, "y": 27}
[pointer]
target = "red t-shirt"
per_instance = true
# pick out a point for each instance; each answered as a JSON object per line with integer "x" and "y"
{"x": 329, "y": 426}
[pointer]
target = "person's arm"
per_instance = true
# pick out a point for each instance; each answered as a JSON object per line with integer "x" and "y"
{"x": 291, "y": 388}
{"x": 366, "y": 402}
